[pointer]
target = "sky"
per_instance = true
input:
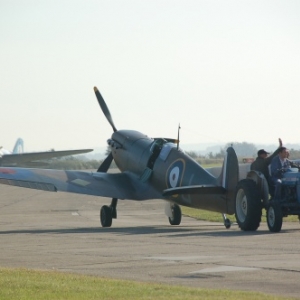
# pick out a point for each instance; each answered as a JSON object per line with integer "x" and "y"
{"x": 226, "y": 71}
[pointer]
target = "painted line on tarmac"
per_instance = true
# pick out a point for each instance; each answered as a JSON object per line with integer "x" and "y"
{"x": 224, "y": 269}
{"x": 195, "y": 258}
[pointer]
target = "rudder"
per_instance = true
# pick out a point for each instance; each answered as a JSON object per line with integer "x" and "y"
{"x": 19, "y": 146}
{"x": 229, "y": 178}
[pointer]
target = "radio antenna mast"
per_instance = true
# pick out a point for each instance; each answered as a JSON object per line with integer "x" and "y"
{"x": 178, "y": 136}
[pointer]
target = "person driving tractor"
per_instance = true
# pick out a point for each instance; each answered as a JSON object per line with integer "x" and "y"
{"x": 262, "y": 162}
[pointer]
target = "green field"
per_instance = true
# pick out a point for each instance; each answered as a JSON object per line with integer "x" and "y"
{"x": 26, "y": 284}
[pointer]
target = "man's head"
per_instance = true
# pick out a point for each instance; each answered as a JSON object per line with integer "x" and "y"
{"x": 262, "y": 153}
{"x": 283, "y": 152}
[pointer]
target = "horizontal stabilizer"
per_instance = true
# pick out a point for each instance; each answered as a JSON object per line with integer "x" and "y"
{"x": 195, "y": 189}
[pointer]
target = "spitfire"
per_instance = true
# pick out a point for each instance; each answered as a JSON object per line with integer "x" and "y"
{"x": 149, "y": 168}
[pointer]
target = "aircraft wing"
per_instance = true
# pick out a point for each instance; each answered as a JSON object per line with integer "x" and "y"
{"x": 117, "y": 185}
{"x": 27, "y": 158}
{"x": 195, "y": 189}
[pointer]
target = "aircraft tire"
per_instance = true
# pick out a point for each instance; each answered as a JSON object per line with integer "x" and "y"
{"x": 227, "y": 223}
{"x": 248, "y": 208}
{"x": 105, "y": 216}
{"x": 274, "y": 217}
{"x": 176, "y": 215}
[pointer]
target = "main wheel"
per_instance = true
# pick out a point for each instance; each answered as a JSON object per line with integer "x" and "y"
{"x": 176, "y": 215}
{"x": 105, "y": 216}
{"x": 247, "y": 205}
{"x": 227, "y": 223}
{"x": 274, "y": 217}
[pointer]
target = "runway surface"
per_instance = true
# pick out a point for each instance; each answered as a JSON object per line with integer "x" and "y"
{"x": 60, "y": 231}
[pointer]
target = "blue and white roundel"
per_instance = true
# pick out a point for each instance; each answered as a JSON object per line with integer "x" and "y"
{"x": 174, "y": 174}
{"x": 174, "y": 177}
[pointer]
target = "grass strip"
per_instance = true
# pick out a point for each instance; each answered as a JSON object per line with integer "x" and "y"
{"x": 24, "y": 284}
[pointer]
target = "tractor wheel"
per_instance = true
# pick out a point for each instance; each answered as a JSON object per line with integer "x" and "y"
{"x": 274, "y": 216}
{"x": 247, "y": 205}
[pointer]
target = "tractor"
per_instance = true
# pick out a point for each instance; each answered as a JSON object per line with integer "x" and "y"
{"x": 252, "y": 195}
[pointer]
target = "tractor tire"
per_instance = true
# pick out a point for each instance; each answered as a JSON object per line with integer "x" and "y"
{"x": 274, "y": 216}
{"x": 248, "y": 208}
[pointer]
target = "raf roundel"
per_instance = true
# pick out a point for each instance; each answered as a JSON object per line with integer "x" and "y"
{"x": 174, "y": 174}
{"x": 173, "y": 177}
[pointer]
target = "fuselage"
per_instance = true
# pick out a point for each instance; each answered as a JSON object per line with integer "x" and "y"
{"x": 163, "y": 165}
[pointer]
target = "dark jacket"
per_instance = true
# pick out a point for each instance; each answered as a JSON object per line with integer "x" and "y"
{"x": 262, "y": 164}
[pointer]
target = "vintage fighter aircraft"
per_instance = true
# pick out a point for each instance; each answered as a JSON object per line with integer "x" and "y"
{"x": 150, "y": 168}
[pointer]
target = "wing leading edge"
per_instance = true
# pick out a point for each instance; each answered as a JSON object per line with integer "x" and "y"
{"x": 23, "y": 158}
{"x": 120, "y": 185}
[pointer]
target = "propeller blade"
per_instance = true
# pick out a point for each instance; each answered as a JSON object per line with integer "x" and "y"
{"x": 105, "y": 109}
{"x": 106, "y": 163}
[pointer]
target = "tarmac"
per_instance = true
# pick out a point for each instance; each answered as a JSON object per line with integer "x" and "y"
{"x": 61, "y": 231}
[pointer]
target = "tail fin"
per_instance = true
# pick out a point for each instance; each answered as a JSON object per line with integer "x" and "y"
{"x": 19, "y": 146}
{"x": 229, "y": 177}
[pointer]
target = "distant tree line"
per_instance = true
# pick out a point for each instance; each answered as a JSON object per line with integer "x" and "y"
{"x": 74, "y": 163}
{"x": 242, "y": 150}
{"x": 294, "y": 154}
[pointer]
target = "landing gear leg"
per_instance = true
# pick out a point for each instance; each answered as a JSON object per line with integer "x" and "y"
{"x": 227, "y": 222}
{"x": 107, "y": 213}
{"x": 113, "y": 206}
